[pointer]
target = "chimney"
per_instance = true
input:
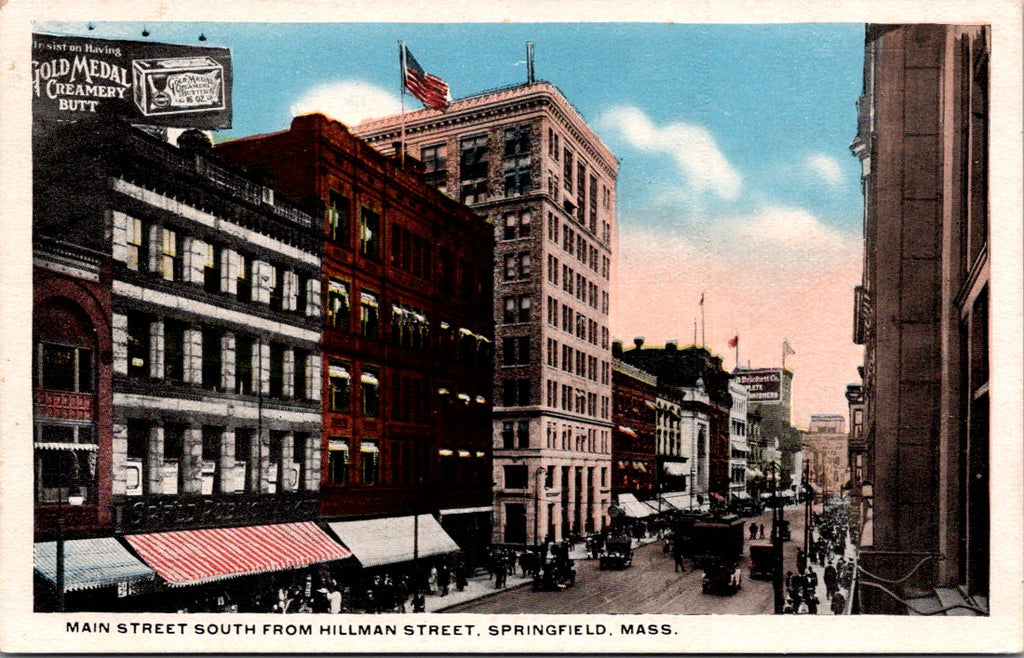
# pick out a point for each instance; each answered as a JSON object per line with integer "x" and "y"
{"x": 639, "y": 342}
{"x": 616, "y": 349}
{"x": 671, "y": 345}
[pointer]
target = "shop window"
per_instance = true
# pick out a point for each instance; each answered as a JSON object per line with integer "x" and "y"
{"x": 65, "y": 462}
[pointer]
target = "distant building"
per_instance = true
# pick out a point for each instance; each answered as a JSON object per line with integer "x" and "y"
{"x": 739, "y": 449}
{"x": 825, "y": 452}
{"x": 770, "y": 399}
{"x": 922, "y": 314}
{"x": 526, "y": 159}
{"x": 857, "y": 456}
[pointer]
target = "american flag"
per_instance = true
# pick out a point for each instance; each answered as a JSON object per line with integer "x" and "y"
{"x": 430, "y": 89}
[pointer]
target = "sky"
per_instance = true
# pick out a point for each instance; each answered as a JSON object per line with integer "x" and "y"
{"x": 735, "y": 175}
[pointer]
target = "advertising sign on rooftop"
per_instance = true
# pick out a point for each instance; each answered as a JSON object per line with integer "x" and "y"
{"x": 762, "y": 385}
{"x": 159, "y": 84}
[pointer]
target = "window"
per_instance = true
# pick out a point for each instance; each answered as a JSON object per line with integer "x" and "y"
{"x": 516, "y": 392}
{"x": 212, "y": 358}
{"x": 552, "y": 352}
{"x": 523, "y": 433}
{"x": 211, "y": 268}
{"x": 474, "y": 192}
{"x": 567, "y": 170}
{"x": 340, "y": 382}
{"x": 300, "y": 375}
{"x": 369, "y": 315}
{"x": 138, "y": 345}
{"x": 338, "y": 460}
{"x": 554, "y": 146}
{"x": 517, "y": 225}
{"x": 137, "y": 252}
{"x": 339, "y": 307}
{"x": 243, "y": 364}
{"x": 65, "y": 462}
{"x": 516, "y": 350}
{"x": 338, "y": 217}
{"x": 516, "y": 172}
{"x": 276, "y": 374}
{"x": 277, "y": 287}
{"x": 552, "y": 311}
{"x": 64, "y": 368}
{"x": 517, "y": 309}
{"x": 370, "y": 389}
{"x": 369, "y": 455}
{"x": 211, "y": 443}
{"x": 552, "y": 269}
{"x": 369, "y": 233}
{"x": 474, "y": 158}
{"x": 244, "y": 286}
{"x": 170, "y": 259}
{"x": 174, "y": 351}
{"x": 434, "y": 158}
{"x": 507, "y": 434}
{"x": 515, "y": 476}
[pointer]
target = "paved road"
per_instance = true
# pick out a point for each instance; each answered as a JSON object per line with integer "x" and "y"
{"x": 649, "y": 586}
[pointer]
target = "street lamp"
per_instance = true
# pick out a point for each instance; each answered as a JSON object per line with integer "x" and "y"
{"x": 536, "y": 507}
{"x": 74, "y": 501}
{"x": 777, "y": 522}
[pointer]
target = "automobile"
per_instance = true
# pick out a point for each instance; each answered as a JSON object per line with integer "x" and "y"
{"x": 746, "y": 507}
{"x": 762, "y": 563}
{"x": 618, "y": 554}
{"x": 555, "y": 575}
{"x": 721, "y": 576}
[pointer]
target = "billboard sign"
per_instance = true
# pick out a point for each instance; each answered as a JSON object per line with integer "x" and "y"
{"x": 762, "y": 385}
{"x": 159, "y": 84}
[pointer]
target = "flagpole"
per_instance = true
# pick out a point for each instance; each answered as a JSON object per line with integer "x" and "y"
{"x": 784, "y": 353}
{"x": 702, "y": 335}
{"x": 401, "y": 51}
{"x": 737, "y": 351}
{"x": 695, "y": 332}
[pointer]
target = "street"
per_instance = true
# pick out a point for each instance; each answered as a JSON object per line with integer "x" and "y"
{"x": 649, "y": 586}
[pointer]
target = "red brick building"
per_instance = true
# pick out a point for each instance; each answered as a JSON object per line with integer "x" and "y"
{"x": 634, "y": 464}
{"x": 408, "y": 329}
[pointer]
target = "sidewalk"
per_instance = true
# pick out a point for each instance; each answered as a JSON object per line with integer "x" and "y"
{"x": 477, "y": 587}
{"x": 825, "y": 607}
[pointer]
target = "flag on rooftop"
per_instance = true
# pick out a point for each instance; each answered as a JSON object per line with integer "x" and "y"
{"x": 430, "y": 89}
{"x": 734, "y": 341}
{"x": 786, "y": 348}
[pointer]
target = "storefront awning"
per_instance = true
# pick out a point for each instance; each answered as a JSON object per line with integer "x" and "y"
{"x": 376, "y": 542}
{"x": 635, "y": 509}
{"x": 90, "y": 563}
{"x": 466, "y": 510}
{"x": 189, "y": 557}
{"x": 675, "y": 468}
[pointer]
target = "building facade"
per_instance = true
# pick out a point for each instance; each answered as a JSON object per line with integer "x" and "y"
{"x": 186, "y": 348}
{"x": 922, "y": 314}
{"x": 826, "y": 455}
{"x": 770, "y": 399}
{"x": 634, "y": 412}
{"x": 526, "y": 159}
{"x": 739, "y": 449}
{"x": 408, "y": 332}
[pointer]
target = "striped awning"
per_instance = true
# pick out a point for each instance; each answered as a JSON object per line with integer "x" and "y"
{"x": 394, "y": 539}
{"x": 189, "y": 557}
{"x": 90, "y": 563}
{"x": 634, "y": 508}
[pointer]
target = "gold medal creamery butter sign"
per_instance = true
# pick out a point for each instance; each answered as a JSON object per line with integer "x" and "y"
{"x": 149, "y": 83}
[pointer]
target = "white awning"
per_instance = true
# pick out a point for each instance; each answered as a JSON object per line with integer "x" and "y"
{"x": 391, "y": 540}
{"x": 368, "y": 447}
{"x": 739, "y": 444}
{"x": 633, "y": 508}
{"x": 650, "y": 404}
{"x": 675, "y": 468}
{"x": 369, "y": 378}
{"x": 339, "y": 371}
{"x": 57, "y": 445}
{"x": 466, "y": 510}
{"x": 627, "y": 430}
{"x": 368, "y": 299}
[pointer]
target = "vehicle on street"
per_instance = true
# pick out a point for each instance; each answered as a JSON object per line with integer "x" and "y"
{"x": 762, "y": 563}
{"x": 618, "y": 553}
{"x": 555, "y": 575}
{"x": 717, "y": 550}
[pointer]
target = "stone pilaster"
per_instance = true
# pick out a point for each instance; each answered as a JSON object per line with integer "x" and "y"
{"x": 227, "y": 361}
{"x": 191, "y": 465}
{"x": 154, "y": 471}
{"x": 119, "y": 338}
{"x": 156, "y": 349}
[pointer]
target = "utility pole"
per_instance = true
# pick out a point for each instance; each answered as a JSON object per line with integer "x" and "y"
{"x": 808, "y": 498}
{"x": 777, "y": 519}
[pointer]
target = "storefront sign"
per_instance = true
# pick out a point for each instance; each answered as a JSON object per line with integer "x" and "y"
{"x": 138, "y": 514}
{"x": 761, "y": 385}
{"x": 148, "y": 83}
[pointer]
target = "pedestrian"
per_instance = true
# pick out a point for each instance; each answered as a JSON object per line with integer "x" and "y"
{"x": 838, "y": 603}
{"x": 500, "y": 575}
{"x": 444, "y": 579}
{"x": 762, "y": 530}
{"x": 753, "y": 530}
{"x": 812, "y": 602}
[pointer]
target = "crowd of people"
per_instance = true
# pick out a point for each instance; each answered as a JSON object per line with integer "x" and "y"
{"x": 826, "y": 552}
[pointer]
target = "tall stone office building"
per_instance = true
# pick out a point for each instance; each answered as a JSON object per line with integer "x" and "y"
{"x": 524, "y": 157}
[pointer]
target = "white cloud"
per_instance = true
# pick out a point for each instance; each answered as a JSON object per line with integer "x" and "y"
{"x": 826, "y": 167}
{"x": 348, "y": 101}
{"x": 692, "y": 147}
